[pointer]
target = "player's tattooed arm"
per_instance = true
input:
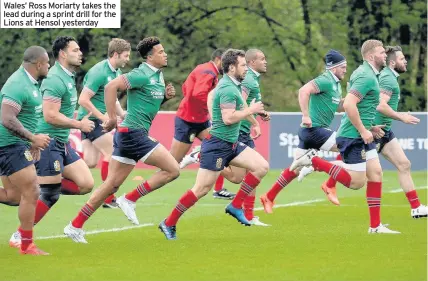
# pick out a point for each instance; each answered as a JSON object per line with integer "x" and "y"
{"x": 10, "y": 121}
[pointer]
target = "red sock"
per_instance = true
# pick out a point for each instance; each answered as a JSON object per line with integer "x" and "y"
{"x": 110, "y": 199}
{"x": 69, "y": 187}
{"x": 331, "y": 182}
{"x": 186, "y": 201}
{"x": 104, "y": 170}
{"x": 284, "y": 179}
{"x": 412, "y": 196}
{"x": 26, "y": 238}
{"x": 249, "y": 183}
{"x": 41, "y": 210}
{"x": 249, "y": 207}
{"x": 335, "y": 171}
{"x": 83, "y": 216}
{"x": 141, "y": 190}
{"x": 374, "y": 194}
{"x": 219, "y": 184}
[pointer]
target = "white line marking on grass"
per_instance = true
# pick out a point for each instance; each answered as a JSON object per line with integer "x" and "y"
{"x": 401, "y": 190}
{"x": 298, "y": 203}
{"x": 116, "y": 229}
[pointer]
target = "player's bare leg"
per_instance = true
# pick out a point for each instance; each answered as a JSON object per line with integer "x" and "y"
{"x": 374, "y": 195}
{"x": 393, "y": 152}
{"x": 25, "y": 181}
{"x": 9, "y": 195}
{"x": 104, "y": 144}
{"x": 91, "y": 155}
{"x": 205, "y": 179}
{"x": 79, "y": 173}
{"x": 119, "y": 173}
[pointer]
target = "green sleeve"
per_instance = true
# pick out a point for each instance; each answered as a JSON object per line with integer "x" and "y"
{"x": 93, "y": 81}
{"x": 361, "y": 86}
{"x": 322, "y": 84}
{"x": 53, "y": 89}
{"x": 227, "y": 99}
{"x": 135, "y": 79}
{"x": 386, "y": 84}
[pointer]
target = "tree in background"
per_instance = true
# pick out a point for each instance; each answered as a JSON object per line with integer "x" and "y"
{"x": 294, "y": 35}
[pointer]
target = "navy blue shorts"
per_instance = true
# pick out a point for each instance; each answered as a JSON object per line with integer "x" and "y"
{"x": 217, "y": 153}
{"x": 356, "y": 152}
{"x": 246, "y": 139}
{"x": 14, "y": 158}
{"x": 380, "y": 143}
{"x": 95, "y": 133}
{"x": 316, "y": 138}
{"x": 132, "y": 145}
{"x": 186, "y": 131}
{"x": 55, "y": 157}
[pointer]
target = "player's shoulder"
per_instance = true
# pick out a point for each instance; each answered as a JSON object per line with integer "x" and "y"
{"x": 99, "y": 67}
{"x": 14, "y": 81}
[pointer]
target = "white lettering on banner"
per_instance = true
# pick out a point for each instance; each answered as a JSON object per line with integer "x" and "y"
{"x": 422, "y": 143}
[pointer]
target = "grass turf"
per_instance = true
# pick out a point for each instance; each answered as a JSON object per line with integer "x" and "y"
{"x": 311, "y": 241}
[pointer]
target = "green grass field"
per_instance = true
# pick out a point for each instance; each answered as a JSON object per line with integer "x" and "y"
{"x": 307, "y": 241}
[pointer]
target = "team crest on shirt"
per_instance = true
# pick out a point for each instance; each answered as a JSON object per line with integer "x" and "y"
{"x": 363, "y": 154}
{"x": 57, "y": 167}
{"x": 218, "y": 163}
{"x": 28, "y": 155}
{"x": 335, "y": 88}
{"x": 109, "y": 78}
{"x": 70, "y": 86}
{"x": 192, "y": 137}
{"x": 35, "y": 94}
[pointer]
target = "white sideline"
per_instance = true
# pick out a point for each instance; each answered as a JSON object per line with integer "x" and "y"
{"x": 297, "y": 203}
{"x": 117, "y": 229}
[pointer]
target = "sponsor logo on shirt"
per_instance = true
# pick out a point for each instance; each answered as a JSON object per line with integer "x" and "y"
{"x": 157, "y": 95}
{"x": 38, "y": 109}
{"x": 70, "y": 86}
{"x": 335, "y": 100}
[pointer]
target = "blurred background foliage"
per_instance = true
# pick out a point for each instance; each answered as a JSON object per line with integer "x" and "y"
{"x": 294, "y": 35}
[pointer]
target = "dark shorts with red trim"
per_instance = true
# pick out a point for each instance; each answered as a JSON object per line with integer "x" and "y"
{"x": 95, "y": 133}
{"x": 217, "y": 153}
{"x": 186, "y": 131}
{"x": 132, "y": 145}
{"x": 55, "y": 157}
{"x": 14, "y": 158}
{"x": 380, "y": 143}
{"x": 246, "y": 139}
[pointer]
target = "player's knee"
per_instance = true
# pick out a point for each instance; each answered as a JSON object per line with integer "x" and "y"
{"x": 375, "y": 174}
{"x": 236, "y": 179}
{"x": 404, "y": 166}
{"x": 263, "y": 168}
{"x": 174, "y": 173}
{"x": 31, "y": 193}
{"x": 86, "y": 187}
{"x": 49, "y": 193}
{"x": 357, "y": 183}
{"x": 91, "y": 165}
